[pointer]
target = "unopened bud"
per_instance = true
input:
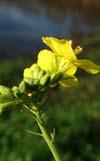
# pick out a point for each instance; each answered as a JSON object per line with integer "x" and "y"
{"x": 36, "y": 72}
{"x": 40, "y": 74}
{"x": 15, "y": 88}
{"x": 35, "y": 82}
{"x": 22, "y": 87}
{"x": 27, "y": 73}
{"x": 45, "y": 80}
{"x": 33, "y": 67}
{"x": 55, "y": 78}
{"x": 31, "y": 84}
{"x": 16, "y": 91}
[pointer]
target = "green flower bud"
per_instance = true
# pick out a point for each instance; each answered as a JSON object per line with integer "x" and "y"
{"x": 15, "y": 88}
{"x": 16, "y": 91}
{"x": 31, "y": 84}
{"x": 22, "y": 87}
{"x": 45, "y": 80}
{"x": 31, "y": 81}
{"x": 40, "y": 74}
{"x": 26, "y": 80}
{"x": 36, "y": 82}
{"x": 36, "y": 72}
{"x": 55, "y": 78}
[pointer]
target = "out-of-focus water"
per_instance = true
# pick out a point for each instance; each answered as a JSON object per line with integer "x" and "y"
{"x": 20, "y": 32}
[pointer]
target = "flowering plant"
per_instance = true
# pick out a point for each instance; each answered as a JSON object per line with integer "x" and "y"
{"x": 54, "y": 66}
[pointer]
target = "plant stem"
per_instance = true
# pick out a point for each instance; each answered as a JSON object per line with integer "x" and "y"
{"x": 47, "y": 138}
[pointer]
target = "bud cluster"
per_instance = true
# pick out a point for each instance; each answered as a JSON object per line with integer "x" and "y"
{"x": 36, "y": 77}
{"x": 35, "y": 82}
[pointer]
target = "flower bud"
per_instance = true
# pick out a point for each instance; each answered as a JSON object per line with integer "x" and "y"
{"x": 55, "y": 78}
{"x": 32, "y": 72}
{"x": 40, "y": 74}
{"x": 27, "y": 80}
{"x": 27, "y": 73}
{"x": 31, "y": 81}
{"x": 22, "y": 87}
{"x": 36, "y": 72}
{"x": 16, "y": 91}
{"x": 45, "y": 80}
{"x": 33, "y": 67}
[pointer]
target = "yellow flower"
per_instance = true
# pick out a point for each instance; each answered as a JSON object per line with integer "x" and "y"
{"x": 58, "y": 60}
{"x": 64, "y": 59}
{"x": 63, "y": 49}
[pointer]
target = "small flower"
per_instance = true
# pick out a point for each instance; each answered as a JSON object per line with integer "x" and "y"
{"x": 56, "y": 67}
{"x": 63, "y": 59}
{"x": 63, "y": 49}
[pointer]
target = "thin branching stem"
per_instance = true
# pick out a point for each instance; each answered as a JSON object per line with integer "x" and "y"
{"x": 45, "y": 134}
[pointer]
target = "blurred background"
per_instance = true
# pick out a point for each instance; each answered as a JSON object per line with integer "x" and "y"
{"x": 74, "y": 113}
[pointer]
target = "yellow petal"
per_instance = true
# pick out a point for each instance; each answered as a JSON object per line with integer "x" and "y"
{"x": 71, "y": 70}
{"x": 60, "y": 47}
{"x": 27, "y": 72}
{"x": 47, "y": 61}
{"x": 88, "y": 66}
{"x": 69, "y": 82}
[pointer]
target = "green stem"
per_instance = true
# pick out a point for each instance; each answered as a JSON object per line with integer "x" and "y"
{"x": 47, "y": 138}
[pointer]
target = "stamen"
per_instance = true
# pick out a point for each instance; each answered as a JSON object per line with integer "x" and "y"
{"x": 78, "y": 50}
{"x": 70, "y": 42}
